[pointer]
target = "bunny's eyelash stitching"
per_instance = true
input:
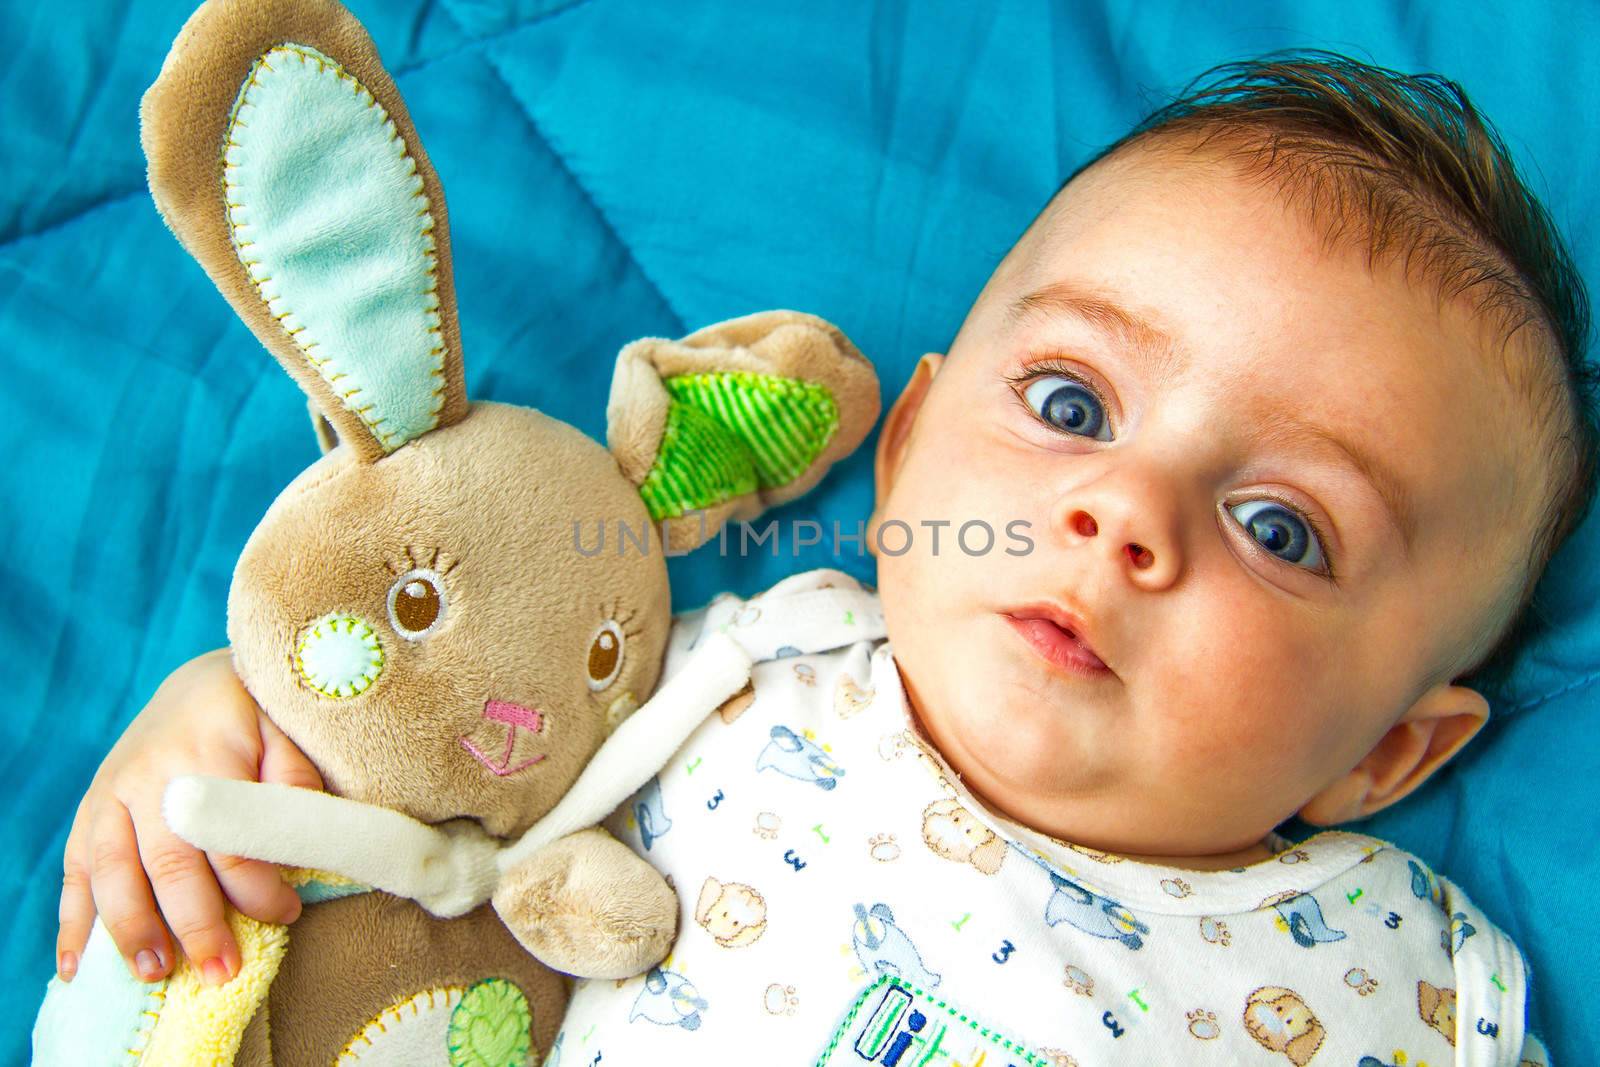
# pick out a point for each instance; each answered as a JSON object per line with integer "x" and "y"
{"x": 413, "y": 562}
{"x": 614, "y": 614}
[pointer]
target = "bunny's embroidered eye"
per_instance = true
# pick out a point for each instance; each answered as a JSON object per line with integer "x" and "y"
{"x": 605, "y": 655}
{"x": 416, "y": 603}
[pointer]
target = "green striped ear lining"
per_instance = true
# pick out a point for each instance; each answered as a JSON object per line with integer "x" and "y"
{"x": 729, "y": 434}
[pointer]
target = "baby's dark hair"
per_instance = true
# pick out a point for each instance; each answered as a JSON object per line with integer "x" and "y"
{"x": 1404, "y": 165}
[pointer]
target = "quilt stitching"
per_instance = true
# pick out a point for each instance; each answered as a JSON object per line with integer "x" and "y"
{"x": 1545, "y": 698}
{"x": 107, "y": 201}
{"x": 583, "y": 188}
{"x": 484, "y": 41}
{"x": 397, "y": 72}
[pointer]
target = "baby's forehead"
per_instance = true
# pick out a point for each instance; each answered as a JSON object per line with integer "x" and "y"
{"x": 1501, "y": 327}
{"x": 1460, "y": 399}
{"x": 1439, "y": 256}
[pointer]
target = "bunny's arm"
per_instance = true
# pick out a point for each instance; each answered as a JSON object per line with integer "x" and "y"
{"x": 588, "y": 906}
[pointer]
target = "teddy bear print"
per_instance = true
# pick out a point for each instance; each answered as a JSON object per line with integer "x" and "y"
{"x": 733, "y": 913}
{"x": 954, "y": 833}
{"x": 1437, "y": 1008}
{"x": 849, "y": 698}
{"x": 735, "y": 705}
{"x": 1280, "y": 1021}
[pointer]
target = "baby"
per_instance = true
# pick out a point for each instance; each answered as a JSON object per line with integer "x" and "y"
{"x": 1273, "y": 417}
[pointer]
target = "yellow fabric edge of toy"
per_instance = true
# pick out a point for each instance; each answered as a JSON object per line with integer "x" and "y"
{"x": 205, "y": 1024}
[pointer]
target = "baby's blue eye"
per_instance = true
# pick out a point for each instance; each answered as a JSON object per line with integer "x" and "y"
{"x": 1068, "y": 405}
{"x": 1281, "y": 532}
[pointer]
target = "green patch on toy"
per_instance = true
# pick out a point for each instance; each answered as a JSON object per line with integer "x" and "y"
{"x": 728, "y": 434}
{"x": 489, "y": 1028}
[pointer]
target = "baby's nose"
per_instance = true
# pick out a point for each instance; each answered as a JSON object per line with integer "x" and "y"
{"x": 514, "y": 715}
{"x": 1085, "y": 526}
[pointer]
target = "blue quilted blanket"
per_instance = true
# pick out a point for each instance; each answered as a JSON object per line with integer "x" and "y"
{"x": 620, "y": 169}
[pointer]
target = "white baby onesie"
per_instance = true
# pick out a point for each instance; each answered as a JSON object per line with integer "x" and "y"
{"x": 847, "y": 901}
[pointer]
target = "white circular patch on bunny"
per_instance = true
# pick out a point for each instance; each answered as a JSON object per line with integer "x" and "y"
{"x": 339, "y": 656}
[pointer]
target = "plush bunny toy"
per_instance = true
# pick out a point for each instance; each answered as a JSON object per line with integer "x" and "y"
{"x": 414, "y": 610}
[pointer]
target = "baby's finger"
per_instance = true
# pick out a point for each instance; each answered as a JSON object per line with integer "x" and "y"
{"x": 76, "y": 912}
{"x": 282, "y": 762}
{"x": 257, "y": 889}
{"x": 122, "y": 896}
{"x": 190, "y": 898}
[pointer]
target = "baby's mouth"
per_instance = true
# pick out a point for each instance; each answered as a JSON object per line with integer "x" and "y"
{"x": 1055, "y": 639}
{"x": 516, "y": 718}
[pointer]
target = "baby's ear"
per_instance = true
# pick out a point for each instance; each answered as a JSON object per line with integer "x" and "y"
{"x": 736, "y": 418}
{"x": 282, "y": 157}
{"x": 1431, "y": 731}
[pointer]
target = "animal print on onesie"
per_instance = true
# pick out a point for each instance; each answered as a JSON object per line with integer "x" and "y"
{"x": 846, "y": 900}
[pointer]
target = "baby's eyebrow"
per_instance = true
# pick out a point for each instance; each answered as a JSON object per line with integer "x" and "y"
{"x": 1103, "y": 313}
{"x": 1156, "y": 347}
{"x": 1283, "y": 429}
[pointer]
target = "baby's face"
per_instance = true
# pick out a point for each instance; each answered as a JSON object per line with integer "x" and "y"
{"x": 1199, "y": 412}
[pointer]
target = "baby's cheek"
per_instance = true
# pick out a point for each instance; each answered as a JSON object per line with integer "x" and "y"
{"x": 1243, "y": 697}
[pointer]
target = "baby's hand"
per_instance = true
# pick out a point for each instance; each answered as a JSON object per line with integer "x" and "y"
{"x": 123, "y": 860}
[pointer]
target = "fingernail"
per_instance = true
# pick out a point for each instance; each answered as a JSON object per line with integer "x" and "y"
{"x": 148, "y": 964}
{"x": 214, "y": 971}
{"x": 67, "y": 966}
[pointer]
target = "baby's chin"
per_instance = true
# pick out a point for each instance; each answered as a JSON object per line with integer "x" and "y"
{"x": 1022, "y": 746}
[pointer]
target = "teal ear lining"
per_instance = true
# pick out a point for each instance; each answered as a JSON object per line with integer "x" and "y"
{"x": 734, "y": 433}
{"x": 328, "y": 214}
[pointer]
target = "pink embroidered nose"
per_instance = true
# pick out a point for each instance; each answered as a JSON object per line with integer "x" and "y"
{"x": 513, "y": 715}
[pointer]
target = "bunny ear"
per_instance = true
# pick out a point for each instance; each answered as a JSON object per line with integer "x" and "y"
{"x": 283, "y": 158}
{"x": 736, "y": 418}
